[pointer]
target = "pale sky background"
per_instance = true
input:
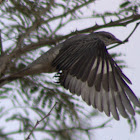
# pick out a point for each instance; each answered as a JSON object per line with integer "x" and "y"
{"x": 119, "y": 130}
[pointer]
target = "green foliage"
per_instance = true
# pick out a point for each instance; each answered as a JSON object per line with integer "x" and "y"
{"x": 28, "y": 25}
{"x": 120, "y": 62}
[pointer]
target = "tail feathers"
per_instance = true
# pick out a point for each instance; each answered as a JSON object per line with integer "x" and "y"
{"x": 6, "y": 80}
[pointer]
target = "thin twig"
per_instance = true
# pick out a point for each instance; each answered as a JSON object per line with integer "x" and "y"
{"x": 126, "y": 40}
{"x": 37, "y": 123}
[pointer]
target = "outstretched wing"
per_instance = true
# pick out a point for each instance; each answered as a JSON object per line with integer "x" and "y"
{"x": 88, "y": 70}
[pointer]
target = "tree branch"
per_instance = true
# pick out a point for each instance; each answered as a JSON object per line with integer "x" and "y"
{"x": 50, "y": 41}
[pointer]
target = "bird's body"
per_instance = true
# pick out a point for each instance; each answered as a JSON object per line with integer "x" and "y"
{"x": 87, "y": 69}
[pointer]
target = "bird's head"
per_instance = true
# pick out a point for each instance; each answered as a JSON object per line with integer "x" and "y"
{"x": 107, "y": 38}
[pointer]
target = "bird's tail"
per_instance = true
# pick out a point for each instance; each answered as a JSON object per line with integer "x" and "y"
{"x": 8, "y": 79}
{"x": 14, "y": 76}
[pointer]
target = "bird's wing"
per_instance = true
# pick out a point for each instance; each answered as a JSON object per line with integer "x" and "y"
{"x": 88, "y": 70}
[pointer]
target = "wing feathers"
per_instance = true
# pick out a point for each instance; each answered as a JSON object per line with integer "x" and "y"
{"x": 92, "y": 93}
{"x": 98, "y": 101}
{"x": 105, "y": 80}
{"x": 88, "y": 70}
{"x": 105, "y": 103}
{"x": 120, "y": 105}
{"x": 88, "y": 67}
{"x": 99, "y": 76}
{"x": 92, "y": 75}
{"x": 128, "y": 91}
{"x": 112, "y": 105}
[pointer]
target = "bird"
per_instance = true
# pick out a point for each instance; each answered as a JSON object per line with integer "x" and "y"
{"x": 85, "y": 67}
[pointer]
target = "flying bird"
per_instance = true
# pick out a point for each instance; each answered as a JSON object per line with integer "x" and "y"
{"x": 87, "y": 69}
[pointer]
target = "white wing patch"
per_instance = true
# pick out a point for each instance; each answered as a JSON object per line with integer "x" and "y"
{"x": 109, "y": 102}
{"x": 94, "y": 65}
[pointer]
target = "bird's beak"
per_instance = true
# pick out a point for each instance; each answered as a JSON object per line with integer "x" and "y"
{"x": 119, "y": 41}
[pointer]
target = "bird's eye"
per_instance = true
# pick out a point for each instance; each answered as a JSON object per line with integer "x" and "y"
{"x": 108, "y": 37}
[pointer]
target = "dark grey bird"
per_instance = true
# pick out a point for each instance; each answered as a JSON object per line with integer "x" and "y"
{"x": 86, "y": 68}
